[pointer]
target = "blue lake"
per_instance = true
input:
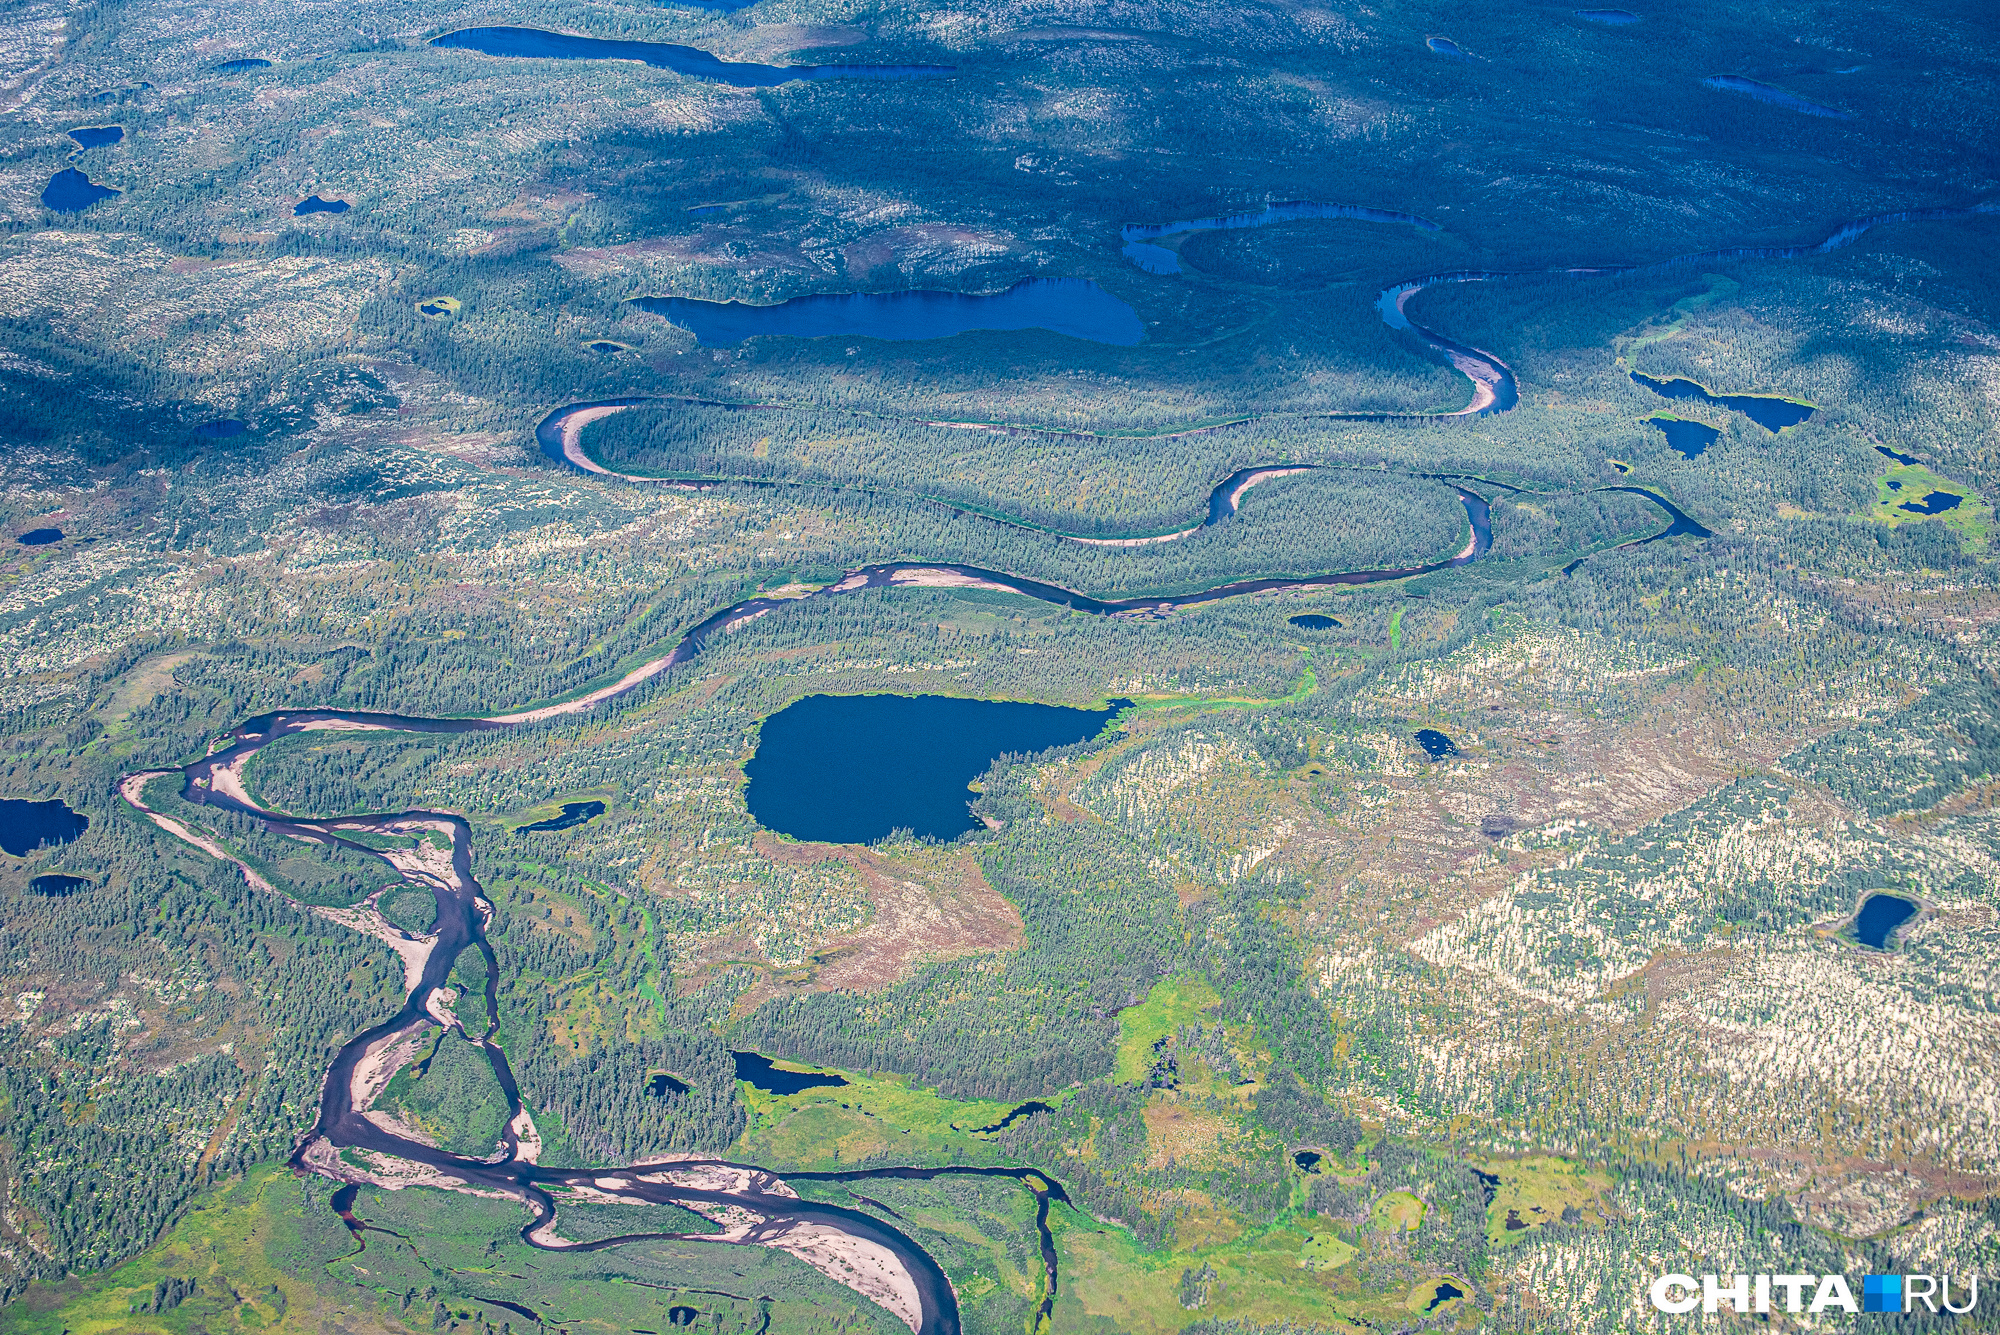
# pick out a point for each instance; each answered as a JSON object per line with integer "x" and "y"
{"x": 314, "y": 204}
{"x": 760, "y": 1072}
{"x": 573, "y": 814}
{"x": 70, "y": 191}
{"x": 1936, "y": 503}
{"x": 238, "y": 66}
{"x": 26, "y": 826}
{"x": 1158, "y": 259}
{"x": 1777, "y": 97}
{"x": 222, "y": 428}
{"x": 1689, "y": 438}
{"x": 1314, "y": 621}
{"x": 1766, "y": 410}
{"x": 849, "y": 769}
{"x": 534, "y": 43}
{"x": 40, "y": 537}
{"x": 1436, "y": 745}
{"x": 1899, "y": 458}
{"x": 1880, "y": 916}
{"x": 1617, "y": 17}
{"x": 97, "y": 136}
{"x": 1073, "y": 306}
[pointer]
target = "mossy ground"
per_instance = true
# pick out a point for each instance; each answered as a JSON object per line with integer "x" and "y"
{"x": 1909, "y": 484}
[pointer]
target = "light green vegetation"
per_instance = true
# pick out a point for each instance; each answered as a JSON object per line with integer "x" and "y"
{"x": 1396, "y": 629}
{"x": 1542, "y": 1192}
{"x": 1396, "y": 1212}
{"x": 1911, "y": 484}
{"x": 1173, "y": 1002}
{"x": 1326, "y": 1251}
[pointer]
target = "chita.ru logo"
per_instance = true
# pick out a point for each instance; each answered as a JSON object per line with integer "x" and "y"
{"x": 1813, "y": 1294}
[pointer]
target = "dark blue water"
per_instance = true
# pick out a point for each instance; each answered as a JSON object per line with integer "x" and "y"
{"x": 1777, "y": 97}
{"x": 26, "y": 826}
{"x": 1073, "y": 306}
{"x": 1307, "y": 1161}
{"x": 1446, "y": 1291}
{"x": 1436, "y": 745}
{"x": 573, "y": 814}
{"x": 55, "y": 885}
{"x": 238, "y": 66}
{"x": 661, "y": 1082}
{"x": 40, "y": 537}
{"x": 1444, "y": 46}
{"x": 1689, "y": 438}
{"x": 1934, "y": 504}
{"x": 1684, "y": 525}
{"x": 848, "y": 769}
{"x": 1314, "y": 621}
{"x": 534, "y": 43}
{"x": 604, "y": 345}
{"x": 759, "y": 1071}
{"x": 97, "y": 136}
{"x": 314, "y": 204}
{"x": 70, "y": 191}
{"x": 222, "y": 428}
{"x": 1766, "y": 410}
{"x": 1160, "y": 260}
{"x": 1028, "y": 1109}
{"x": 1899, "y": 458}
{"x": 1880, "y": 916}
{"x": 1617, "y": 17}
{"x": 433, "y": 308}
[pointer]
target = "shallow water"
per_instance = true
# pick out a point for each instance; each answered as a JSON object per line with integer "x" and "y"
{"x": 222, "y": 428}
{"x": 1444, "y": 46}
{"x": 1617, "y": 17}
{"x": 1777, "y": 97}
{"x": 1879, "y": 918}
{"x": 534, "y": 43}
{"x": 70, "y": 191}
{"x": 26, "y": 826}
{"x": 1076, "y": 307}
{"x": 849, "y": 769}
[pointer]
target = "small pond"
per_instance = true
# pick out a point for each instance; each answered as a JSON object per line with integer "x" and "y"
{"x": 1906, "y": 459}
{"x": 1688, "y": 438}
{"x": 681, "y": 1316}
{"x": 1446, "y": 1291}
{"x": 1436, "y": 745}
{"x": 534, "y": 43}
{"x": 97, "y": 136}
{"x": 573, "y": 814}
{"x": 1936, "y": 503}
{"x": 55, "y": 885}
{"x": 314, "y": 204}
{"x": 1615, "y": 17}
{"x": 660, "y": 1082}
{"x": 1307, "y": 1161}
{"x": 1444, "y": 46}
{"x": 40, "y": 537}
{"x": 1879, "y": 918}
{"x": 1077, "y": 307}
{"x": 1314, "y": 621}
{"x": 759, "y": 1072}
{"x": 1767, "y": 410}
{"x": 26, "y": 826}
{"x": 70, "y": 191}
{"x": 849, "y": 769}
{"x": 1028, "y": 1109}
{"x": 222, "y": 428}
{"x": 238, "y": 66}
{"x": 1160, "y": 260}
{"x": 1777, "y": 97}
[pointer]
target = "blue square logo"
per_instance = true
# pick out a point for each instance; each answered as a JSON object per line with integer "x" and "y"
{"x": 1881, "y": 1293}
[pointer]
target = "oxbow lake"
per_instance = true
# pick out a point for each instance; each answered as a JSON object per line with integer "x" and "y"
{"x": 849, "y": 769}
{"x": 1077, "y": 307}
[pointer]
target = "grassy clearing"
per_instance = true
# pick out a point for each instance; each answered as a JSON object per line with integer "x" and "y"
{"x": 1909, "y": 484}
{"x": 835, "y": 1127}
{"x": 1540, "y": 1191}
{"x": 1397, "y": 1212}
{"x": 1172, "y": 1003}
